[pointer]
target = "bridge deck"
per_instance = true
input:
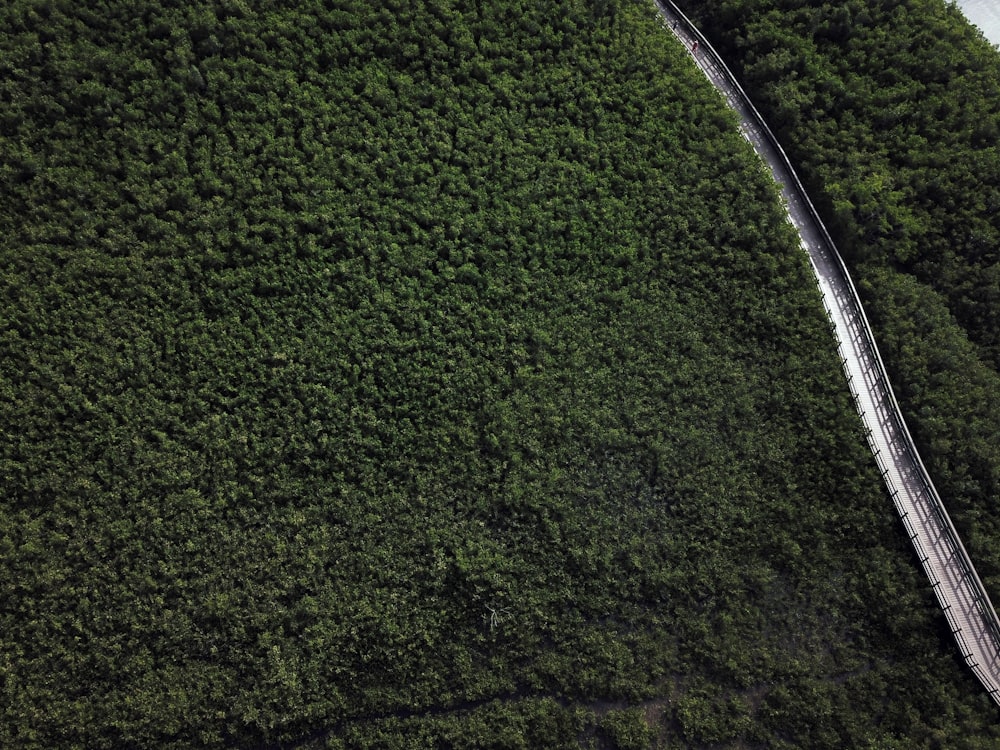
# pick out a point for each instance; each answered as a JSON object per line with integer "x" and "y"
{"x": 959, "y": 591}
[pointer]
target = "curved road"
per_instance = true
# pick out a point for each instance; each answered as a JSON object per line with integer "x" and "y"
{"x": 966, "y": 605}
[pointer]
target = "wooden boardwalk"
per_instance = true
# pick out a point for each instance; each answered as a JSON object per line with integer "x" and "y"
{"x": 966, "y": 605}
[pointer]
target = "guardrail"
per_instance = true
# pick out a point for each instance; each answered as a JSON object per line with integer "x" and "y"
{"x": 969, "y": 577}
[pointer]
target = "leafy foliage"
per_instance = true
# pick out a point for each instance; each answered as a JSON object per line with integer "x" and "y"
{"x": 892, "y": 109}
{"x": 425, "y": 374}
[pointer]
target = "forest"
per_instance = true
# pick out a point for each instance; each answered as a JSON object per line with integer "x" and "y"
{"x": 446, "y": 374}
{"x": 891, "y": 111}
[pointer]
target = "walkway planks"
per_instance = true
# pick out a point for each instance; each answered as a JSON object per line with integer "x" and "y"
{"x": 971, "y": 616}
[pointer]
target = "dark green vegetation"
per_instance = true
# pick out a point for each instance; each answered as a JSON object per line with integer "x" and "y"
{"x": 891, "y": 109}
{"x": 330, "y": 332}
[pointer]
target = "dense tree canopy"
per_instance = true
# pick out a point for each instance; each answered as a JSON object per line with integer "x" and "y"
{"x": 892, "y": 111}
{"x": 439, "y": 373}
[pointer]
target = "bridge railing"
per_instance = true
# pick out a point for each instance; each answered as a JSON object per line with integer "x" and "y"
{"x": 970, "y": 577}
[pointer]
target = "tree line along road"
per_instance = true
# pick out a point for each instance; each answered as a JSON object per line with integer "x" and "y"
{"x": 970, "y": 614}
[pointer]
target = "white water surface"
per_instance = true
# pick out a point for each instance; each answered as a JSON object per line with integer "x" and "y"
{"x": 985, "y": 14}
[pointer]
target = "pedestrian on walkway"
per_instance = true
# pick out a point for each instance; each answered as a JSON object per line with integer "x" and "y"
{"x": 694, "y": 47}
